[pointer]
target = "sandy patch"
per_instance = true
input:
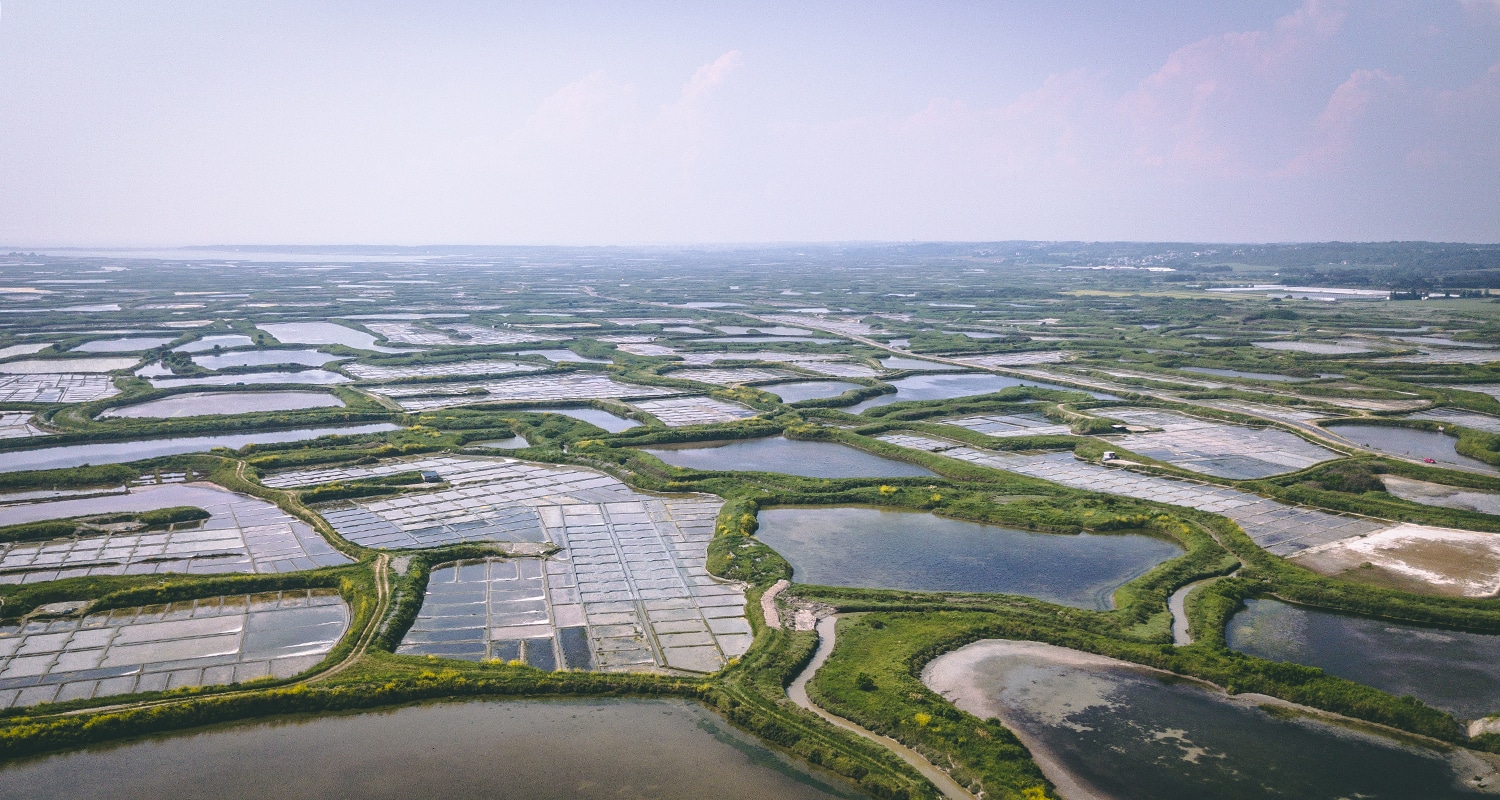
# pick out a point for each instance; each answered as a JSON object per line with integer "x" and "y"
{"x": 1436, "y": 560}
{"x": 1438, "y": 494}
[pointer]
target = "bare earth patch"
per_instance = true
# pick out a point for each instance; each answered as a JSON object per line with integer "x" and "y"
{"x": 1418, "y": 558}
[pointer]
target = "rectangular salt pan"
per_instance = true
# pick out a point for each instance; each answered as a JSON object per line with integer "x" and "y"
{"x": 191, "y": 643}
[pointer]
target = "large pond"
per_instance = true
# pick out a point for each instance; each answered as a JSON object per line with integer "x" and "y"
{"x": 808, "y": 390}
{"x": 1456, "y": 671}
{"x": 262, "y": 358}
{"x": 789, "y": 456}
{"x": 889, "y": 549}
{"x": 197, "y": 404}
{"x": 121, "y": 452}
{"x": 515, "y": 750}
{"x": 593, "y": 416}
{"x": 1409, "y": 442}
{"x": 1109, "y": 729}
{"x": 319, "y": 377}
{"x": 325, "y": 333}
{"x": 225, "y": 341}
{"x": 126, "y": 345}
{"x": 944, "y": 387}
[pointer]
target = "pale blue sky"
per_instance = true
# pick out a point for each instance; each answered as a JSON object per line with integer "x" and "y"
{"x": 141, "y": 123}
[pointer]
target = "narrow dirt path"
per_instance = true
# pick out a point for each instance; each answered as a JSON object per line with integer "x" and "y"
{"x": 797, "y": 691}
{"x": 382, "y": 604}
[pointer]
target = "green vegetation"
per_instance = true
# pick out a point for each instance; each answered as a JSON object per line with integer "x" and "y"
{"x": 1130, "y": 333}
{"x": 94, "y": 523}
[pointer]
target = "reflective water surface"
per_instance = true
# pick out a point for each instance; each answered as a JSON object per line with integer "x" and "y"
{"x": 325, "y": 333}
{"x": 560, "y": 355}
{"x": 943, "y": 387}
{"x": 593, "y": 416}
{"x": 1456, "y": 671}
{"x": 122, "y": 452}
{"x": 194, "y": 404}
{"x": 808, "y": 390}
{"x": 901, "y": 362}
{"x": 1235, "y": 373}
{"x": 319, "y": 377}
{"x": 1410, "y": 443}
{"x": 516, "y": 750}
{"x": 1116, "y": 730}
{"x": 126, "y": 345}
{"x": 225, "y": 341}
{"x": 261, "y": 358}
{"x": 890, "y": 549}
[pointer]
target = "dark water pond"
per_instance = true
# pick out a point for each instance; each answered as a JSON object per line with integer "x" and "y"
{"x": 1121, "y": 731}
{"x": 944, "y": 387}
{"x": 593, "y": 416}
{"x": 1410, "y": 443}
{"x": 789, "y": 456}
{"x": 808, "y": 390}
{"x": 121, "y": 452}
{"x": 524, "y": 749}
{"x": 880, "y": 548}
{"x": 1456, "y": 671}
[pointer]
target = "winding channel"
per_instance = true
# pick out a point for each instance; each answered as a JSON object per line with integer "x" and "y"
{"x": 797, "y": 691}
{"x": 1177, "y": 604}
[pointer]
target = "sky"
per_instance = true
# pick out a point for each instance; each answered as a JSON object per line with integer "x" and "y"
{"x": 580, "y": 123}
